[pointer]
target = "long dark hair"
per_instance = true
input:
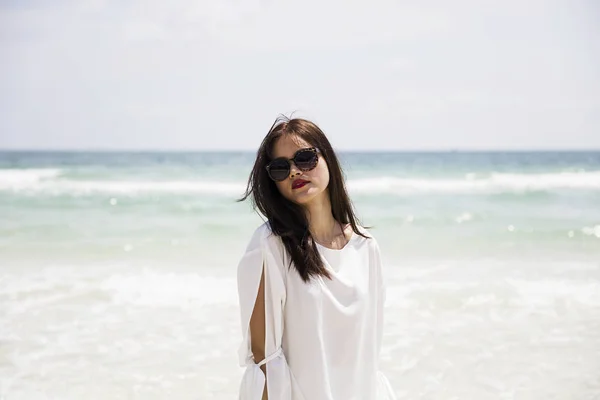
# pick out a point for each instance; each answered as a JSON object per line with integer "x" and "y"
{"x": 287, "y": 219}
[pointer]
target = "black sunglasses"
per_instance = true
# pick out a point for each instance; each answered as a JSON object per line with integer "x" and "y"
{"x": 305, "y": 159}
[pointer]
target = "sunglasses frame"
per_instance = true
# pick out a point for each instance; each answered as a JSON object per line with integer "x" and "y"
{"x": 314, "y": 150}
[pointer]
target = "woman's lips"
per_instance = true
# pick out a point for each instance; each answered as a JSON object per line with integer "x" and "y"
{"x": 297, "y": 184}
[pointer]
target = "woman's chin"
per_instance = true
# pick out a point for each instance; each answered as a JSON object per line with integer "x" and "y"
{"x": 305, "y": 197}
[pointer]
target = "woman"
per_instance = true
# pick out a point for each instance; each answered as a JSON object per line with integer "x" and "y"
{"x": 310, "y": 284}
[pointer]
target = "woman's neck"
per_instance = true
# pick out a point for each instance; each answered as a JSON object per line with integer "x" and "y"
{"x": 323, "y": 227}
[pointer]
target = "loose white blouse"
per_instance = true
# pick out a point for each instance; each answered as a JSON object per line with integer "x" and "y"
{"x": 323, "y": 338}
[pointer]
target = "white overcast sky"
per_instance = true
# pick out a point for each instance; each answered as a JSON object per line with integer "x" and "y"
{"x": 214, "y": 74}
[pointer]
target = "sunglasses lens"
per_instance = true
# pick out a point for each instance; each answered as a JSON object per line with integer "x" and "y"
{"x": 279, "y": 170}
{"x": 306, "y": 160}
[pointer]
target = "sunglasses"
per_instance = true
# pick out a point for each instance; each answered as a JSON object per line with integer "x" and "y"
{"x": 305, "y": 159}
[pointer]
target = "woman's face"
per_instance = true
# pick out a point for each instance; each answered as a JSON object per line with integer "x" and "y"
{"x": 318, "y": 178}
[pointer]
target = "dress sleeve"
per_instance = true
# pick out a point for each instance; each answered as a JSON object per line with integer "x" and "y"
{"x": 263, "y": 253}
{"x": 384, "y": 389}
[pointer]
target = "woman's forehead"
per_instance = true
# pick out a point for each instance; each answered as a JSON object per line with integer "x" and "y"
{"x": 287, "y": 145}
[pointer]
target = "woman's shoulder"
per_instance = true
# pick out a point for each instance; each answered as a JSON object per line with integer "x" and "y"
{"x": 262, "y": 231}
{"x": 266, "y": 245}
{"x": 365, "y": 232}
{"x": 368, "y": 241}
{"x": 263, "y": 236}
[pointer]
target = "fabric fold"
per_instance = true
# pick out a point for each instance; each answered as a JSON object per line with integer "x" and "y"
{"x": 384, "y": 388}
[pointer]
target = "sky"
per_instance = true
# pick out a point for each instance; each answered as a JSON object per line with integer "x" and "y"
{"x": 374, "y": 75}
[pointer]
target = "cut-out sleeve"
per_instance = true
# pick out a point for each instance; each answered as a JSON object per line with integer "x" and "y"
{"x": 264, "y": 252}
{"x": 384, "y": 389}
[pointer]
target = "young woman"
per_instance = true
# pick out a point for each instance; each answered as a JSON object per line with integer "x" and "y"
{"x": 310, "y": 284}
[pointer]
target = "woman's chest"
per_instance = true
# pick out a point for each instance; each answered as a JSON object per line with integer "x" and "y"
{"x": 348, "y": 294}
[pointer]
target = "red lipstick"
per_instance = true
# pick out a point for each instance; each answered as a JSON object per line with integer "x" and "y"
{"x": 298, "y": 183}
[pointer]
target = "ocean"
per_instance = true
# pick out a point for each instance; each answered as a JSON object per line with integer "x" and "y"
{"x": 117, "y": 272}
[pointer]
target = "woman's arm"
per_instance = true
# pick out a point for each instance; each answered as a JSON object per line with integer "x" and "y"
{"x": 257, "y": 330}
{"x": 261, "y": 293}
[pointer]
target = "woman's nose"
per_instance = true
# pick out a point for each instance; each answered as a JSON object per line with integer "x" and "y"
{"x": 294, "y": 170}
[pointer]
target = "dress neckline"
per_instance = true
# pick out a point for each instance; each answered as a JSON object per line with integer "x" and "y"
{"x": 352, "y": 236}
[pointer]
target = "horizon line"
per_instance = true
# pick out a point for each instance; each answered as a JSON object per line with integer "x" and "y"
{"x": 444, "y": 150}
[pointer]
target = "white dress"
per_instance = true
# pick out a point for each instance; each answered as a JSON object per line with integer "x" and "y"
{"x": 322, "y": 338}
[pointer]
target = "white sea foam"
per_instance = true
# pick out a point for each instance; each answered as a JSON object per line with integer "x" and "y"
{"x": 591, "y": 230}
{"x": 111, "y": 331}
{"x": 494, "y": 183}
{"x": 26, "y": 177}
{"x": 51, "y": 181}
{"x": 160, "y": 289}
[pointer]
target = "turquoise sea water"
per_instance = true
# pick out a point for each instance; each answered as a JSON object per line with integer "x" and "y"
{"x": 117, "y": 272}
{"x": 163, "y": 205}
